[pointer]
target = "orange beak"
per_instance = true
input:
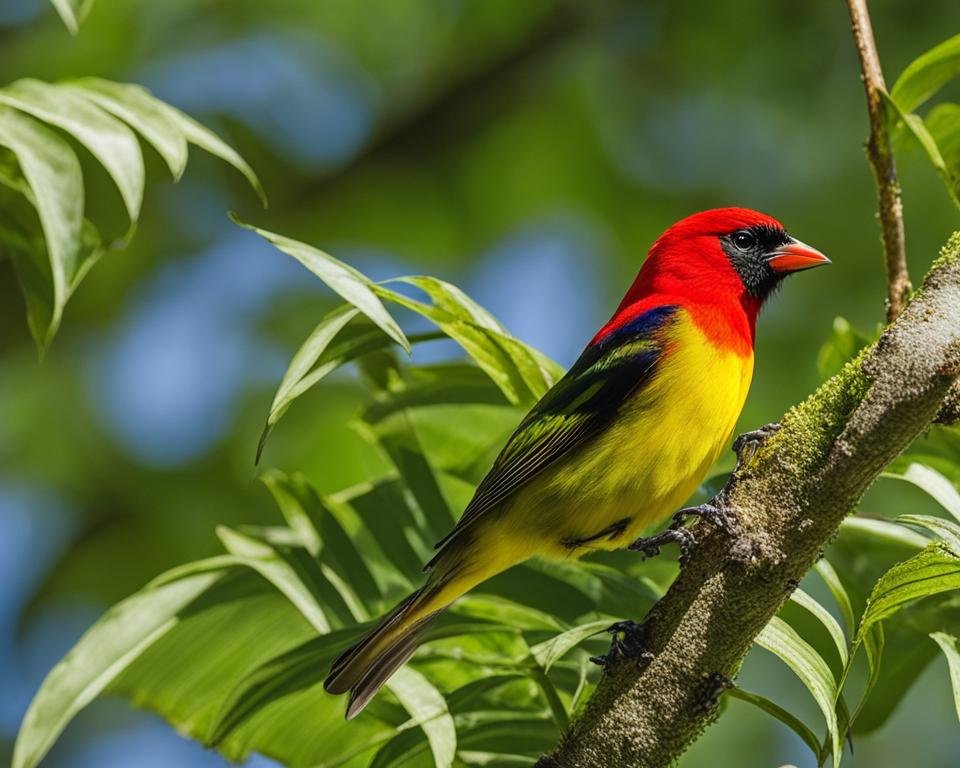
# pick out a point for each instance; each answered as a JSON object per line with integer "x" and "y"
{"x": 795, "y": 256}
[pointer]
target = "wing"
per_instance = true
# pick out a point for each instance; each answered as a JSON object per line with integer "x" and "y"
{"x": 578, "y": 407}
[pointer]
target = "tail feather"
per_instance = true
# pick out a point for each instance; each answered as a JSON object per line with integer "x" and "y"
{"x": 363, "y": 668}
{"x": 382, "y": 669}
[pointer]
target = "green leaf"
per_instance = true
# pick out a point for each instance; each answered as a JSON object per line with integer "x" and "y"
{"x": 943, "y": 122}
{"x": 110, "y": 141}
{"x": 384, "y": 523}
{"x": 398, "y": 438}
{"x": 843, "y": 343}
{"x": 104, "y": 651}
{"x": 72, "y": 12}
{"x": 824, "y": 616}
{"x": 278, "y": 570}
{"x": 137, "y": 107}
{"x": 948, "y": 644}
{"x": 298, "y": 377}
{"x": 791, "y": 721}
{"x": 52, "y": 171}
{"x": 299, "y": 504}
{"x": 927, "y": 74}
{"x": 935, "y": 569}
{"x": 521, "y": 375}
{"x": 505, "y": 612}
{"x": 869, "y": 529}
{"x": 538, "y": 371}
{"x": 47, "y": 173}
{"x": 947, "y": 530}
{"x": 929, "y": 480}
{"x": 552, "y": 650}
{"x": 429, "y": 710}
{"x": 782, "y": 640}
{"x": 918, "y": 130}
{"x": 905, "y": 657}
{"x": 830, "y": 577}
{"x": 349, "y": 283}
{"x": 201, "y": 136}
{"x": 451, "y": 299}
{"x": 289, "y": 673}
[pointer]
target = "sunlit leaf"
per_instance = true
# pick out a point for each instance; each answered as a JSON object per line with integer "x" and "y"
{"x": 201, "y": 136}
{"x": 278, "y": 569}
{"x": 429, "y": 710}
{"x": 832, "y": 580}
{"x": 52, "y": 171}
{"x": 824, "y": 616}
{"x": 105, "y": 650}
{"x": 550, "y": 651}
{"x": 299, "y": 504}
{"x": 948, "y": 644}
{"x": 349, "y": 283}
{"x": 884, "y": 531}
{"x": 929, "y": 480}
{"x": 137, "y": 107}
{"x": 927, "y": 74}
{"x": 72, "y": 12}
{"x": 935, "y": 569}
{"x": 108, "y": 139}
{"x": 292, "y": 671}
{"x": 782, "y": 640}
{"x": 538, "y": 371}
{"x": 918, "y": 130}
{"x": 947, "y": 530}
{"x": 506, "y": 612}
{"x": 95, "y": 113}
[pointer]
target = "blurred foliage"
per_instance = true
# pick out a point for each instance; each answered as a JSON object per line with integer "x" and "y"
{"x": 53, "y": 250}
{"x": 530, "y": 152}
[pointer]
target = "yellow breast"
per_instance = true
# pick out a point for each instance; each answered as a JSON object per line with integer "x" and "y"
{"x": 662, "y": 445}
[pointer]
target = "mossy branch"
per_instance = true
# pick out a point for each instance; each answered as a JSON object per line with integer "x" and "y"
{"x": 790, "y": 498}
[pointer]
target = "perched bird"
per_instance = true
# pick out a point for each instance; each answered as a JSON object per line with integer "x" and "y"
{"x": 622, "y": 439}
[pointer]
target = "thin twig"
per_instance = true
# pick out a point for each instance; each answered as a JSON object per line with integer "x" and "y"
{"x": 880, "y": 157}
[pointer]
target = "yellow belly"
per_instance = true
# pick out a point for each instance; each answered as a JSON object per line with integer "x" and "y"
{"x": 646, "y": 465}
{"x": 641, "y": 469}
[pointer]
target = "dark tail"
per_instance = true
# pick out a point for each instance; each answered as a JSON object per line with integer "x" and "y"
{"x": 364, "y": 667}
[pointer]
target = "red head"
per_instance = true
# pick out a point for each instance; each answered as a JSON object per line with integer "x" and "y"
{"x": 721, "y": 264}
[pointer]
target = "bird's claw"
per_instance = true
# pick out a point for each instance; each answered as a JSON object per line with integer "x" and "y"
{"x": 628, "y": 641}
{"x": 709, "y": 694}
{"x": 715, "y": 512}
{"x": 650, "y": 545}
{"x": 747, "y": 444}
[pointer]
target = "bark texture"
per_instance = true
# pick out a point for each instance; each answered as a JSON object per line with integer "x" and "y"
{"x": 880, "y": 157}
{"x": 790, "y": 498}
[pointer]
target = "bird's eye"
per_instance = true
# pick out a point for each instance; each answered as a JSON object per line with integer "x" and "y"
{"x": 744, "y": 240}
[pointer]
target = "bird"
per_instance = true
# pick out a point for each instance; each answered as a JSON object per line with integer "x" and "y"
{"x": 622, "y": 439}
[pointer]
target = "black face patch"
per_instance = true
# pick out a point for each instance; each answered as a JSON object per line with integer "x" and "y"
{"x": 749, "y": 250}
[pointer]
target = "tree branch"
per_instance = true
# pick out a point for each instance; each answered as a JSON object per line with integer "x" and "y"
{"x": 880, "y": 157}
{"x": 790, "y": 499}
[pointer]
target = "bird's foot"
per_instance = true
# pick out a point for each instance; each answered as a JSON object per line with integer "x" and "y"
{"x": 716, "y": 512}
{"x": 628, "y": 641}
{"x": 708, "y": 697}
{"x": 747, "y": 444}
{"x": 650, "y": 545}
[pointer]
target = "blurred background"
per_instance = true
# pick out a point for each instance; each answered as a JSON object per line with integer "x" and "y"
{"x": 528, "y": 152}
